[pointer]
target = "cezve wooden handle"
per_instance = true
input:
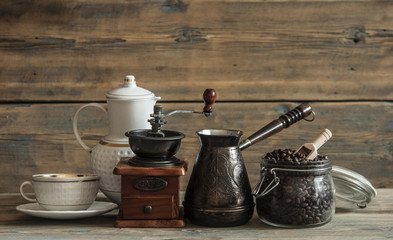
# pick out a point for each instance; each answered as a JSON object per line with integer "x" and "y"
{"x": 284, "y": 121}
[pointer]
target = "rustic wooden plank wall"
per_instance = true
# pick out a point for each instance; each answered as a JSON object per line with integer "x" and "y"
{"x": 262, "y": 57}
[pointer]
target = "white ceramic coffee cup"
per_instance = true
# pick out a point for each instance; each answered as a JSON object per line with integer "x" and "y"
{"x": 63, "y": 192}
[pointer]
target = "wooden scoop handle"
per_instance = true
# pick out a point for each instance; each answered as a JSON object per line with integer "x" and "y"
{"x": 209, "y": 97}
{"x": 322, "y": 138}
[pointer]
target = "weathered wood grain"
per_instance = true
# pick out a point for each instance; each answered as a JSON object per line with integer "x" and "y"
{"x": 349, "y": 222}
{"x": 250, "y": 50}
{"x": 38, "y": 138}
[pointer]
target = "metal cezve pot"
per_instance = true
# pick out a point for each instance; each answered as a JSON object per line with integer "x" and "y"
{"x": 219, "y": 193}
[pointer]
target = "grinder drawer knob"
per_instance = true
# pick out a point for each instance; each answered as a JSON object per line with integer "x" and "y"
{"x": 147, "y": 209}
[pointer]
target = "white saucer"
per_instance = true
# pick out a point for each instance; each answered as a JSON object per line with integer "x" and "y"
{"x": 97, "y": 208}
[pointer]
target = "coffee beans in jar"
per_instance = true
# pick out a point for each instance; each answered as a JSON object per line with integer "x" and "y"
{"x": 293, "y": 191}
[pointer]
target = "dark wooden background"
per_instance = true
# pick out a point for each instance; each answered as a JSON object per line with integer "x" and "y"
{"x": 262, "y": 57}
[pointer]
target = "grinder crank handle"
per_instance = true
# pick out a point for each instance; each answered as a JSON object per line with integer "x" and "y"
{"x": 157, "y": 118}
{"x": 284, "y": 121}
{"x": 209, "y": 98}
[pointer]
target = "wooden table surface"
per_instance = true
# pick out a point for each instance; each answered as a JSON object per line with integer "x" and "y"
{"x": 373, "y": 222}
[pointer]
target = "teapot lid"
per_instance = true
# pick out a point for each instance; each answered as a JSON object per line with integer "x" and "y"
{"x": 129, "y": 90}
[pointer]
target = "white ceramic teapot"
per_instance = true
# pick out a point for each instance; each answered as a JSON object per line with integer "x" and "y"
{"x": 129, "y": 108}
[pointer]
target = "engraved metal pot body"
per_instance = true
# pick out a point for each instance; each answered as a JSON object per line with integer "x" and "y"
{"x": 219, "y": 193}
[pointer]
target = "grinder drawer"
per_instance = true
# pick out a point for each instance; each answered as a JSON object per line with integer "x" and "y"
{"x": 149, "y": 207}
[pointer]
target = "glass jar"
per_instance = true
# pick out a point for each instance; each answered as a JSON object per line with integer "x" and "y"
{"x": 295, "y": 195}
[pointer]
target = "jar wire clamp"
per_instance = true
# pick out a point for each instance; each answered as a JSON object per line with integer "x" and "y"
{"x": 275, "y": 180}
{"x": 269, "y": 187}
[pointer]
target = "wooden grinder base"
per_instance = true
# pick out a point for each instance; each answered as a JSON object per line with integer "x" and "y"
{"x": 158, "y": 223}
{"x": 150, "y": 196}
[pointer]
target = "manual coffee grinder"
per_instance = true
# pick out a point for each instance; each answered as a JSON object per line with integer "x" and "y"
{"x": 150, "y": 180}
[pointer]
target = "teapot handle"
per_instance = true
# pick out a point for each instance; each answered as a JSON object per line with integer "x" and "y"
{"x": 75, "y": 123}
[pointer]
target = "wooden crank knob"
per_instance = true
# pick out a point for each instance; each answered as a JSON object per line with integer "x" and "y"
{"x": 209, "y": 97}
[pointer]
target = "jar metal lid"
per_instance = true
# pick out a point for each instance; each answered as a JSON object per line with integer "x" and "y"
{"x": 353, "y": 187}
